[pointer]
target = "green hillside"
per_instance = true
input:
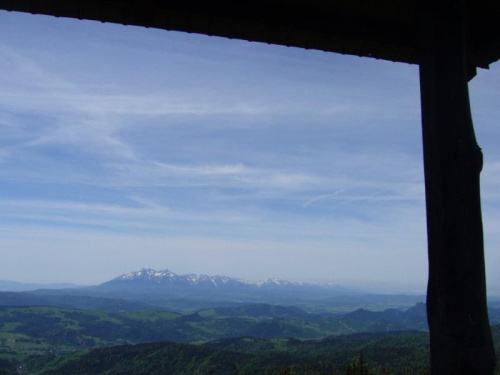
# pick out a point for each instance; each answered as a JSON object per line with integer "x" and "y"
{"x": 26, "y": 331}
{"x": 404, "y": 352}
{"x": 391, "y": 353}
{"x": 50, "y": 340}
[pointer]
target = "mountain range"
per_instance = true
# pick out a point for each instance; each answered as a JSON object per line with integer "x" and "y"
{"x": 15, "y": 286}
{"x": 48, "y": 331}
{"x": 151, "y": 277}
{"x": 166, "y": 290}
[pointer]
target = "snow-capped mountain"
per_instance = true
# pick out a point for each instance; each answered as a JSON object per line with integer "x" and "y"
{"x": 192, "y": 292}
{"x": 151, "y": 277}
{"x": 167, "y": 277}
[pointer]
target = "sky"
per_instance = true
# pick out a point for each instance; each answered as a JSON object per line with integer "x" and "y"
{"x": 125, "y": 147}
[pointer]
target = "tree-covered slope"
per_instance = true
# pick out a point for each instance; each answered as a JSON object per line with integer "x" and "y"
{"x": 65, "y": 298}
{"x": 31, "y": 330}
{"x": 406, "y": 352}
{"x": 391, "y": 353}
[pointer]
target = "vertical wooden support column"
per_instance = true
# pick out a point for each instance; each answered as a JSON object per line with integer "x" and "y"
{"x": 460, "y": 334}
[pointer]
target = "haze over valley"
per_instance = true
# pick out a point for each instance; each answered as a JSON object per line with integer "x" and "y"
{"x": 161, "y": 314}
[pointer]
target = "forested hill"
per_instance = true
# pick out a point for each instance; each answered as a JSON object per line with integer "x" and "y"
{"x": 41, "y": 328}
{"x": 404, "y": 352}
{"x": 70, "y": 301}
{"x": 391, "y": 353}
{"x": 42, "y": 339}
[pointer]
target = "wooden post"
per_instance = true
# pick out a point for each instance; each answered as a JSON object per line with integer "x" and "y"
{"x": 460, "y": 335}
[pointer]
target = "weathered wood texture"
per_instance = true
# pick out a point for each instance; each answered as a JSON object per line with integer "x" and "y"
{"x": 461, "y": 340}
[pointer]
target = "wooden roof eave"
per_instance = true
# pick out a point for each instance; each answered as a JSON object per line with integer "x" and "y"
{"x": 387, "y": 31}
{"x": 331, "y": 32}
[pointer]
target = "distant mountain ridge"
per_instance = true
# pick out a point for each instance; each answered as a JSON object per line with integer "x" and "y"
{"x": 164, "y": 289}
{"x": 80, "y": 302}
{"x": 149, "y": 276}
{"x": 15, "y": 286}
{"x": 191, "y": 292}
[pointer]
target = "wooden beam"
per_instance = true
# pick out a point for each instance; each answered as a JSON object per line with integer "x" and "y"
{"x": 460, "y": 335}
{"x": 283, "y": 22}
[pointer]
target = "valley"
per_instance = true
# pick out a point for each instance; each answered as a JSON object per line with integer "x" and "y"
{"x": 126, "y": 325}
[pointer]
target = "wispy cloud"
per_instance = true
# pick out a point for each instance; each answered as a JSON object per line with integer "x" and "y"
{"x": 151, "y": 104}
{"x": 213, "y": 154}
{"x": 243, "y": 176}
{"x": 384, "y": 193}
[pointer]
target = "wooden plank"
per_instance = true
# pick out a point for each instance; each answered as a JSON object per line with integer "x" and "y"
{"x": 461, "y": 342}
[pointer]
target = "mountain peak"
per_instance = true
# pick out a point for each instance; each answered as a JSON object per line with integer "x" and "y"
{"x": 150, "y": 276}
{"x": 147, "y": 274}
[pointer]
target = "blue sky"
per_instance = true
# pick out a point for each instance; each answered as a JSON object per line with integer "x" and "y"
{"x": 123, "y": 147}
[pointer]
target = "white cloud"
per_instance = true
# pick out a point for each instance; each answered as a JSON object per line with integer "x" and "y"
{"x": 264, "y": 161}
{"x": 221, "y": 176}
{"x": 150, "y": 217}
